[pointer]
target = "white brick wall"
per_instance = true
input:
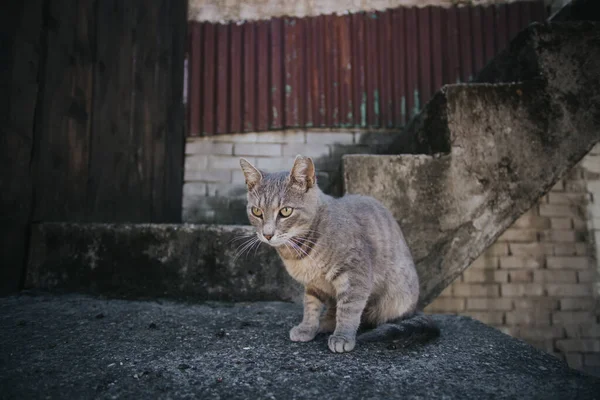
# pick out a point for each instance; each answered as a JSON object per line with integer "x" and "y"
{"x": 539, "y": 281}
{"x": 212, "y": 169}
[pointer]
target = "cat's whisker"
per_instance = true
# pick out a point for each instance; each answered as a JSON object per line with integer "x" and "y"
{"x": 242, "y": 248}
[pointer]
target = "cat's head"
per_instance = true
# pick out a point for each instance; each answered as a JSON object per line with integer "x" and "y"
{"x": 282, "y": 205}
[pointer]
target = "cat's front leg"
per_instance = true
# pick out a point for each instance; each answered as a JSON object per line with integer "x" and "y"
{"x": 352, "y": 293}
{"x": 309, "y": 327}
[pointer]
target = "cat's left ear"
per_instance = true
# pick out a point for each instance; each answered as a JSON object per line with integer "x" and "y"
{"x": 251, "y": 173}
{"x": 303, "y": 173}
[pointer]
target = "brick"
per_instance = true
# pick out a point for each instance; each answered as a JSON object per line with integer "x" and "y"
{"x": 559, "y": 210}
{"x": 194, "y": 189}
{"x": 226, "y": 190}
{"x": 590, "y": 330}
{"x": 497, "y": 249}
{"x": 569, "y": 289}
{"x": 237, "y": 176}
{"x": 592, "y": 360}
{"x": 476, "y": 289}
{"x": 561, "y": 223}
{"x": 558, "y": 186}
{"x": 484, "y": 304}
{"x": 257, "y": 149}
{"x": 587, "y": 276}
{"x": 207, "y": 147}
{"x": 555, "y": 276}
{"x": 447, "y": 305}
{"x": 314, "y": 150}
{"x": 542, "y": 332}
{"x": 500, "y": 276}
{"x": 446, "y": 292}
{"x": 274, "y": 164}
{"x": 562, "y": 236}
{"x": 533, "y": 222}
{"x": 512, "y": 262}
{"x": 518, "y": 235}
{"x": 485, "y": 262}
{"x": 217, "y": 175}
{"x": 281, "y": 137}
{"x": 522, "y": 317}
{"x": 565, "y": 249}
{"x": 567, "y": 198}
{"x": 580, "y": 224}
{"x": 546, "y": 345}
{"x": 521, "y": 289}
{"x": 568, "y": 262}
{"x": 227, "y": 162}
{"x": 479, "y": 275}
{"x": 572, "y": 317}
{"x": 196, "y": 162}
{"x": 509, "y": 330}
{"x": 487, "y": 317}
{"x": 577, "y": 304}
{"x": 578, "y": 186}
{"x": 520, "y": 275}
{"x": 329, "y": 137}
{"x": 575, "y": 360}
{"x": 578, "y": 345}
{"x": 532, "y": 250}
{"x": 536, "y": 303}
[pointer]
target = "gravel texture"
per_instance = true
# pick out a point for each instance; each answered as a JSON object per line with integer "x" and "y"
{"x": 74, "y": 346}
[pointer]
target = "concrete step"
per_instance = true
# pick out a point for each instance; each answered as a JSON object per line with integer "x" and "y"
{"x": 80, "y": 347}
{"x": 195, "y": 262}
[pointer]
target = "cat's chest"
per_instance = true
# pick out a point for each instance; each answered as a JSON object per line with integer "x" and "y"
{"x": 303, "y": 270}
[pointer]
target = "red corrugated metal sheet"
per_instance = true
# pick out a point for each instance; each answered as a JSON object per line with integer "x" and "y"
{"x": 374, "y": 69}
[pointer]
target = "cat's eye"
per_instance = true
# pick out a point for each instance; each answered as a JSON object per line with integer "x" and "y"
{"x": 256, "y": 212}
{"x": 286, "y": 211}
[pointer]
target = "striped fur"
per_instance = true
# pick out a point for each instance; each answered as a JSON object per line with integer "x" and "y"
{"x": 349, "y": 253}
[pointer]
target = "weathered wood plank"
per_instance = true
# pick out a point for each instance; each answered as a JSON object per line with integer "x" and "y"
{"x": 20, "y": 34}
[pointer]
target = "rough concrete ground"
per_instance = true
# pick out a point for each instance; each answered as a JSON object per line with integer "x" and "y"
{"x": 74, "y": 346}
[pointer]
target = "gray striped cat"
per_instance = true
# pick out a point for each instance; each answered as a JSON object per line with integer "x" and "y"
{"x": 348, "y": 252}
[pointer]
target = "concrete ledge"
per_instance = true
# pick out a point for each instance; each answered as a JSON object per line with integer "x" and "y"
{"x": 68, "y": 347}
{"x": 150, "y": 260}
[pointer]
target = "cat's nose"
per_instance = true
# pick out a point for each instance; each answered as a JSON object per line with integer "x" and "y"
{"x": 268, "y": 237}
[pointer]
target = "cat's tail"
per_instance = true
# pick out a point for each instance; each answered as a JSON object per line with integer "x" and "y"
{"x": 419, "y": 328}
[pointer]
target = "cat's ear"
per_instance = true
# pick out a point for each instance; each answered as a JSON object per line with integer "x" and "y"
{"x": 253, "y": 176}
{"x": 303, "y": 173}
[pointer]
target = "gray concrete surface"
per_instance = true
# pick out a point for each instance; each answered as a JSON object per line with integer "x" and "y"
{"x": 201, "y": 262}
{"x": 73, "y": 346}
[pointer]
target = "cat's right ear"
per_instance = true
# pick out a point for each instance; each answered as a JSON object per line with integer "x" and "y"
{"x": 253, "y": 176}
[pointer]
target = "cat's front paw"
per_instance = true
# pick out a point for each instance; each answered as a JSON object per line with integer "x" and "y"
{"x": 303, "y": 333}
{"x": 341, "y": 344}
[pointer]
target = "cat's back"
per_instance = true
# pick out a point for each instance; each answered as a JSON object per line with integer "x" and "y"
{"x": 365, "y": 213}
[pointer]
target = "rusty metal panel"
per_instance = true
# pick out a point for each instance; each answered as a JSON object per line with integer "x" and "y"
{"x": 277, "y": 77}
{"x": 195, "y": 79}
{"x": 344, "y": 29}
{"x": 436, "y": 47}
{"x": 235, "y": 97}
{"x": 222, "y": 79}
{"x": 371, "y": 69}
{"x": 477, "y": 32}
{"x": 208, "y": 103}
{"x": 489, "y": 33}
{"x": 398, "y": 49}
{"x": 249, "y": 67}
{"x": 262, "y": 44}
{"x": 386, "y": 105}
{"x": 425, "y": 58}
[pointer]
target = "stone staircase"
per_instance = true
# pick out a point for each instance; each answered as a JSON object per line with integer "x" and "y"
{"x": 480, "y": 154}
{"x": 476, "y": 158}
